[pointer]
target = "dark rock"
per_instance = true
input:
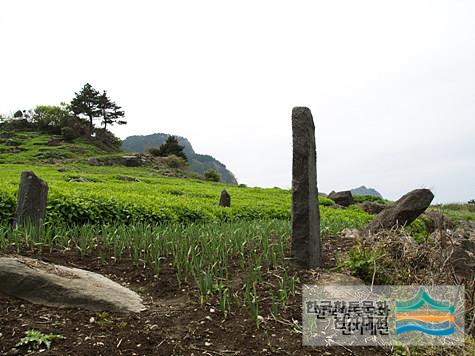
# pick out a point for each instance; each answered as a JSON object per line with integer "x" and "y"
{"x": 128, "y": 179}
{"x": 402, "y": 212}
{"x": 52, "y": 285}
{"x": 344, "y": 198}
{"x": 32, "y": 200}
{"x": 306, "y": 245}
{"x": 372, "y": 207}
{"x": 131, "y": 161}
{"x": 225, "y": 199}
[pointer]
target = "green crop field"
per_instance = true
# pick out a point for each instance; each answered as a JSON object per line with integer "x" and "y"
{"x": 155, "y": 199}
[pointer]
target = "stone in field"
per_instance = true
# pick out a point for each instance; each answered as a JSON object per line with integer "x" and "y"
{"x": 53, "y": 285}
{"x": 344, "y": 198}
{"x": 32, "y": 199}
{"x": 225, "y": 199}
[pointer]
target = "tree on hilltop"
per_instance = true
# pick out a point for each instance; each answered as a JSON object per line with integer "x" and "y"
{"x": 92, "y": 104}
{"x": 172, "y": 147}
{"x": 86, "y": 103}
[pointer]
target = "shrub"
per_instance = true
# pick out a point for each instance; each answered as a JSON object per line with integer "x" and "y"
{"x": 69, "y": 133}
{"x": 362, "y": 261}
{"x": 154, "y": 151}
{"x": 323, "y": 200}
{"x": 173, "y": 161}
{"x": 212, "y": 175}
{"x": 418, "y": 230}
{"x": 171, "y": 147}
{"x": 106, "y": 139}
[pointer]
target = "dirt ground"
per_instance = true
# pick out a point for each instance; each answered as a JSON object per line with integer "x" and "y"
{"x": 175, "y": 322}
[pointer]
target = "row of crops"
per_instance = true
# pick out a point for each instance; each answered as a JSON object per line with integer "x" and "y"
{"x": 153, "y": 199}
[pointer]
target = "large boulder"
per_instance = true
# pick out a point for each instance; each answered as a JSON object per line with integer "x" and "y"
{"x": 344, "y": 198}
{"x": 402, "y": 212}
{"x": 52, "y": 285}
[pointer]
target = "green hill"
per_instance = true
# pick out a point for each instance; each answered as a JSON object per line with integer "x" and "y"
{"x": 80, "y": 193}
{"x": 199, "y": 163}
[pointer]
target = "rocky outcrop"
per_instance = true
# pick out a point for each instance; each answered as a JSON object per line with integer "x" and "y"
{"x": 131, "y": 161}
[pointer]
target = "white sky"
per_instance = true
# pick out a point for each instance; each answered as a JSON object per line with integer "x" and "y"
{"x": 391, "y": 84}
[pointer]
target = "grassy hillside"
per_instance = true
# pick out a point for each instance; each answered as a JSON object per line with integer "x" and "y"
{"x": 150, "y": 197}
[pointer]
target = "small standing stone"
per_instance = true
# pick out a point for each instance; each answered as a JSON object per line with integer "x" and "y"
{"x": 32, "y": 199}
{"x": 305, "y": 211}
{"x": 225, "y": 199}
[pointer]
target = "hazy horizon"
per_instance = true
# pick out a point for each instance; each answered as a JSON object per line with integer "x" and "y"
{"x": 391, "y": 86}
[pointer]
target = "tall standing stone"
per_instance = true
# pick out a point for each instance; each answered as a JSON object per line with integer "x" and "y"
{"x": 225, "y": 199}
{"x": 32, "y": 199}
{"x": 305, "y": 212}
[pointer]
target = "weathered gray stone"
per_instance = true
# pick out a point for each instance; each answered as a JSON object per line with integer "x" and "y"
{"x": 32, "y": 200}
{"x": 402, "y": 212}
{"x": 131, "y": 161}
{"x": 52, "y": 285}
{"x": 305, "y": 211}
{"x": 225, "y": 199}
{"x": 344, "y": 198}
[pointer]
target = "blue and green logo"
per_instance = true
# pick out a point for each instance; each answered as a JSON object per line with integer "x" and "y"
{"x": 426, "y": 315}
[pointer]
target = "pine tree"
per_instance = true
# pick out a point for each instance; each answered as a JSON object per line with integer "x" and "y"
{"x": 86, "y": 102}
{"x": 172, "y": 147}
{"x": 110, "y": 111}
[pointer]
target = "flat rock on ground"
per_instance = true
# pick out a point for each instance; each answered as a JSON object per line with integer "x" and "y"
{"x": 53, "y": 285}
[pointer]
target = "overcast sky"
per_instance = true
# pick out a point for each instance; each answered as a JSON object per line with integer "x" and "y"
{"x": 391, "y": 85}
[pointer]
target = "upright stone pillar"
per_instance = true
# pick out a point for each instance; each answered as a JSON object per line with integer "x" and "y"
{"x": 305, "y": 212}
{"x": 32, "y": 199}
{"x": 225, "y": 199}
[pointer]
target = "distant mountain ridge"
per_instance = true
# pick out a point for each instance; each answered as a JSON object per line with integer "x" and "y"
{"x": 366, "y": 191}
{"x": 199, "y": 163}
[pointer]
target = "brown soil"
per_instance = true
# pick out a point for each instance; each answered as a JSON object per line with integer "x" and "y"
{"x": 174, "y": 324}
